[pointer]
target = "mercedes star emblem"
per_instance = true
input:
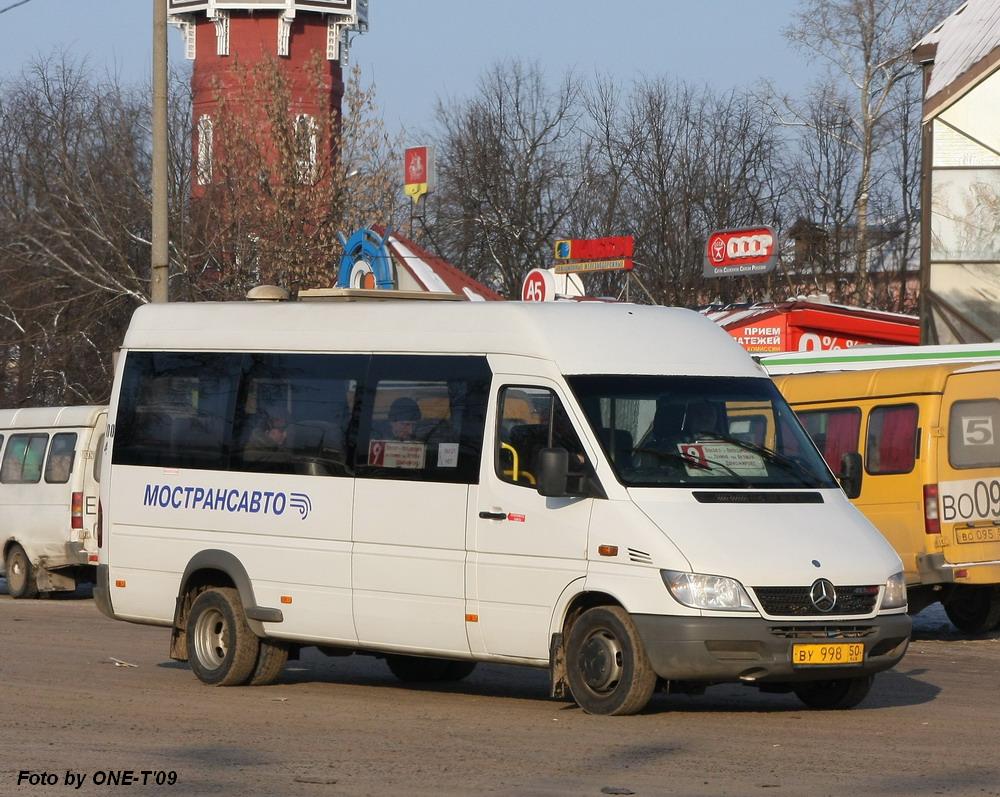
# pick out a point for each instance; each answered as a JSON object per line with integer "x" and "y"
{"x": 823, "y": 595}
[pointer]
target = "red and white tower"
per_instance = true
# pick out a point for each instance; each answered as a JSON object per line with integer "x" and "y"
{"x": 226, "y": 38}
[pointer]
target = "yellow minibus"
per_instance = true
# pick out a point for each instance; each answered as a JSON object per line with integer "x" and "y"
{"x": 918, "y": 451}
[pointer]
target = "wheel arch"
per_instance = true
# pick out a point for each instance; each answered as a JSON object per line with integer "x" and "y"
{"x": 215, "y": 568}
{"x": 9, "y": 543}
{"x": 581, "y": 602}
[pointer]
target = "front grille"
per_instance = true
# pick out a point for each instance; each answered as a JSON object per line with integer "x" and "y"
{"x": 822, "y": 631}
{"x": 795, "y": 601}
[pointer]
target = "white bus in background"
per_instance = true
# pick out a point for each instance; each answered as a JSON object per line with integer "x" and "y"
{"x": 50, "y": 462}
{"x": 572, "y": 487}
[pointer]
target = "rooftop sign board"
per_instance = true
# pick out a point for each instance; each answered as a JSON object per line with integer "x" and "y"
{"x": 737, "y": 253}
{"x": 581, "y": 255}
{"x": 418, "y": 172}
{"x": 322, "y": 6}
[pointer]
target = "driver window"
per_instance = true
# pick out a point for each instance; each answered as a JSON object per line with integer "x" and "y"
{"x": 530, "y": 419}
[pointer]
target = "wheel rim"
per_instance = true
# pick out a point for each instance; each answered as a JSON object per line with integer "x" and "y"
{"x": 601, "y": 661}
{"x": 210, "y": 639}
{"x": 16, "y": 573}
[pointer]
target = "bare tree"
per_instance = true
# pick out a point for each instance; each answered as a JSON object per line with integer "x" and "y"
{"x": 284, "y": 184}
{"x": 74, "y": 218}
{"x": 511, "y": 167}
{"x": 679, "y": 162}
{"x": 866, "y": 45}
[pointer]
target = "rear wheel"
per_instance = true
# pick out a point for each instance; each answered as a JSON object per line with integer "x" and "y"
{"x": 271, "y": 661}
{"x": 457, "y": 670}
{"x": 20, "y": 574}
{"x": 606, "y": 665}
{"x": 841, "y": 693}
{"x": 222, "y": 649}
{"x": 417, "y": 669}
{"x": 974, "y": 609}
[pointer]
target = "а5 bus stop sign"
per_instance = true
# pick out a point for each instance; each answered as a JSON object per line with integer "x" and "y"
{"x": 738, "y": 253}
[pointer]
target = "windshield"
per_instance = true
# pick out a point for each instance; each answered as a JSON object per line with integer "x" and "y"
{"x": 699, "y": 431}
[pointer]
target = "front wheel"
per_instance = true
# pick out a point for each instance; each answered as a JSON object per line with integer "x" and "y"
{"x": 974, "y": 609}
{"x": 836, "y": 694}
{"x": 20, "y": 574}
{"x": 271, "y": 660}
{"x": 220, "y": 645}
{"x": 606, "y": 665}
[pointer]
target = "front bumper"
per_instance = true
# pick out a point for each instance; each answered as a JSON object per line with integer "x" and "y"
{"x": 752, "y": 649}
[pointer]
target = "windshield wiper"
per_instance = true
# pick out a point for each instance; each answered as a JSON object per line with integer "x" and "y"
{"x": 700, "y": 464}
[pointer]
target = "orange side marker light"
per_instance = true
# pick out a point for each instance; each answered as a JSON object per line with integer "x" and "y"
{"x": 120, "y": 583}
{"x": 607, "y": 550}
{"x": 472, "y": 618}
{"x": 286, "y": 599}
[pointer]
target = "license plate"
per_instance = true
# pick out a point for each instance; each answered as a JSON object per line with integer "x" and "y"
{"x": 981, "y": 534}
{"x": 826, "y": 654}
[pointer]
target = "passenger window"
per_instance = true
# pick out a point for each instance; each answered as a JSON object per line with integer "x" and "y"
{"x": 423, "y": 419}
{"x": 835, "y": 432}
{"x": 23, "y": 458}
{"x": 530, "y": 419}
{"x": 294, "y": 413}
{"x": 892, "y": 439}
{"x": 974, "y": 434}
{"x": 175, "y": 409}
{"x": 62, "y": 452}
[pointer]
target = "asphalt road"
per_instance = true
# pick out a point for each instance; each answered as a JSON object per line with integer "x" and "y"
{"x": 346, "y": 726}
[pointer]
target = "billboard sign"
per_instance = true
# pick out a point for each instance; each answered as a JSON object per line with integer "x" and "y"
{"x": 582, "y": 255}
{"x": 418, "y": 172}
{"x": 737, "y": 253}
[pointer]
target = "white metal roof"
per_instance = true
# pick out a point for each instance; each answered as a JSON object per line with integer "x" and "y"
{"x": 579, "y": 338}
{"x": 966, "y": 37}
{"x": 50, "y": 417}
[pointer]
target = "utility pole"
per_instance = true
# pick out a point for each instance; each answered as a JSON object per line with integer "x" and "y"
{"x": 161, "y": 234}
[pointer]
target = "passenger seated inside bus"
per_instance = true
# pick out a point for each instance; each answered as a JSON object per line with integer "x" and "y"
{"x": 404, "y": 414}
{"x": 701, "y": 419}
{"x": 268, "y": 442}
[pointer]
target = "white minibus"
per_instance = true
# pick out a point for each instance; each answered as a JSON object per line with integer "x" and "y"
{"x": 574, "y": 487}
{"x": 50, "y": 461}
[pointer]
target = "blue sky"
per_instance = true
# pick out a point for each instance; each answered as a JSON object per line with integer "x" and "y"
{"x": 418, "y": 50}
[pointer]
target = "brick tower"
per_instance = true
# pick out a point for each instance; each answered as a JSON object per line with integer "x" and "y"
{"x": 226, "y": 38}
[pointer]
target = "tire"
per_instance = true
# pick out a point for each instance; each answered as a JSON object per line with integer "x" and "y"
{"x": 841, "y": 693}
{"x": 973, "y": 609}
{"x": 607, "y": 667}
{"x": 417, "y": 669}
{"x": 459, "y": 670}
{"x": 21, "y": 581}
{"x": 222, "y": 649}
{"x": 271, "y": 661}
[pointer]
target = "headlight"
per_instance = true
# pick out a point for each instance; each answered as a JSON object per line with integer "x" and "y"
{"x": 707, "y": 592}
{"x": 894, "y": 596}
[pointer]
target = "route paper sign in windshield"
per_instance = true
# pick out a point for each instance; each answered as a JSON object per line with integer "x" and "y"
{"x": 720, "y": 459}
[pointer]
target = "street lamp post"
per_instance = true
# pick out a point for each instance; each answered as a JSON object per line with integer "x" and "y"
{"x": 160, "y": 251}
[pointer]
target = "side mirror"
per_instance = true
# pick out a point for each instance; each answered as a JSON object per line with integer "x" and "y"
{"x": 850, "y": 474}
{"x": 553, "y": 471}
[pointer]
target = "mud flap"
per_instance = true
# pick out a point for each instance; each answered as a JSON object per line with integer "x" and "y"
{"x": 557, "y": 667}
{"x": 178, "y": 633}
{"x": 55, "y": 580}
